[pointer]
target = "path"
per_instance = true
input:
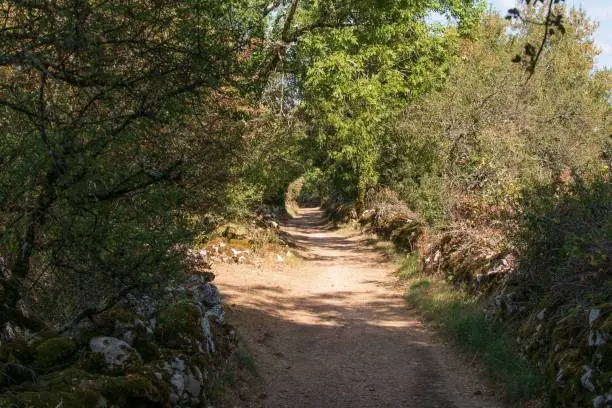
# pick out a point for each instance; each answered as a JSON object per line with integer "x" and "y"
{"x": 334, "y": 331}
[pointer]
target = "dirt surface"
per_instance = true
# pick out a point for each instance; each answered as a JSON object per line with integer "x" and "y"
{"x": 333, "y": 329}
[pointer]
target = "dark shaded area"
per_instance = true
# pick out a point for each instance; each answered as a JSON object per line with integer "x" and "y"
{"x": 356, "y": 357}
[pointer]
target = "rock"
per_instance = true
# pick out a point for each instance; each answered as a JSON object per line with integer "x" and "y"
{"x": 599, "y": 401}
{"x": 178, "y": 382}
{"x": 207, "y": 294}
{"x": 279, "y": 259}
{"x": 541, "y": 314}
{"x": 560, "y": 377}
{"x": 178, "y": 364}
{"x": 596, "y": 339}
{"x": 593, "y": 315}
{"x": 174, "y": 398}
{"x": 53, "y": 351}
{"x": 216, "y": 314}
{"x": 129, "y": 337}
{"x": 102, "y": 403}
{"x": 117, "y": 353}
{"x": 193, "y": 385}
{"x": 206, "y": 329}
{"x": 143, "y": 305}
{"x": 198, "y": 374}
{"x": 585, "y": 379}
{"x": 505, "y": 303}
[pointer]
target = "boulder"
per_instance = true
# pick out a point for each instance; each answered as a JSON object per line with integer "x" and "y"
{"x": 207, "y": 294}
{"x": 117, "y": 353}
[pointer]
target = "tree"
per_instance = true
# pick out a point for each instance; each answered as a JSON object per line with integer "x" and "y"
{"x": 488, "y": 134}
{"x": 357, "y": 72}
{"x": 94, "y": 97}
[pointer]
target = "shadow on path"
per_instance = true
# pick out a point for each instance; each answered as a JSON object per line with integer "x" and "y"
{"x": 334, "y": 331}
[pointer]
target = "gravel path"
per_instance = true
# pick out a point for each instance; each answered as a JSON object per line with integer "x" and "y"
{"x": 335, "y": 331}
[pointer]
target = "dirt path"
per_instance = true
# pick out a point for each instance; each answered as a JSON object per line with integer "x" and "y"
{"x": 334, "y": 331}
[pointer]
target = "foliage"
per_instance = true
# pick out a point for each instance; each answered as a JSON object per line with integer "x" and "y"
{"x": 292, "y": 196}
{"x": 486, "y": 134}
{"x": 106, "y": 119}
{"x": 566, "y": 242}
{"x": 353, "y": 79}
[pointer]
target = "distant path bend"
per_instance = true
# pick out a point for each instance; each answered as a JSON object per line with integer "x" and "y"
{"x": 334, "y": 330}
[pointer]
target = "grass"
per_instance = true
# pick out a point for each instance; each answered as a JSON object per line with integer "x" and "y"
{"x": 411, "y": 267}
{"x": 458, "y": 316}
{"x": 245, "y": 360}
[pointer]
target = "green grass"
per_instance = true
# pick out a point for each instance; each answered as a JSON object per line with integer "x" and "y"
{"x": 459, "y": 317}
{"x": 410, "y": 267}
{"x": 245, "y": 360}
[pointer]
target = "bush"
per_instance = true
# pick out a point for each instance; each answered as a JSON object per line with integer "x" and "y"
{"x": 566, "y": 240}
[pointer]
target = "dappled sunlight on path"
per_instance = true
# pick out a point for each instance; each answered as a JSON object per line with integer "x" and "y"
{"x": 334, "y": 330}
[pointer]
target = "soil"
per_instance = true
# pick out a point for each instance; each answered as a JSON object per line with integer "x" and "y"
{"x": 330, "y": 328}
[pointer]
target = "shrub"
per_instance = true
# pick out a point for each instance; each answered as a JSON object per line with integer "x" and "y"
{"x": 566, "y": 240}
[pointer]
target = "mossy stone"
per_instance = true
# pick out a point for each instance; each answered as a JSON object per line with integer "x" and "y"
{"x": 177, "y": 322}
{"x": 92, "y": 362}
{"x": 51, "y": 399}
{"x": 131, "y": 390}
{"x": 108, "y": 319}
{"x": 53, "y": 352}
{"x": 147, "y": 349}
{"x": 70, "y": 377}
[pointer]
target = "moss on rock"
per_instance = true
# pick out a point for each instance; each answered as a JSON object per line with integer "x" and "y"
{"x": 53, "y": 352}
{"x": 179, "y": 323}
{"x": 51, "y": 399}
{"x": 131, "y": 390}
{"x": 147, "y": 349}
{"x": 92, "y": 362}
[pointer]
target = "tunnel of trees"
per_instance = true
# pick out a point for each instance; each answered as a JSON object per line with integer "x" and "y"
{"x": 128, "y": 127}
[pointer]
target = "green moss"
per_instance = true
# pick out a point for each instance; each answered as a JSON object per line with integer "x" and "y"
{"x": 131, "y": 388}
{"x": 178, "y": 321}
{"x": 53, "y": 352}
{"x": 51, "y": 399}
{"x": 239, "y": 244}
{"x": 106, "y": 321}
{"x": 569, "y": 328}
{"x": 147, "y": 349}
{"x": 66, "y": 380}
{"x": 604, "y": 323}
{"x": 92, "y": 362}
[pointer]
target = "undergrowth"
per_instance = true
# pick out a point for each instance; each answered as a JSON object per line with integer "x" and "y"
{"x": 459, "y": 317}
